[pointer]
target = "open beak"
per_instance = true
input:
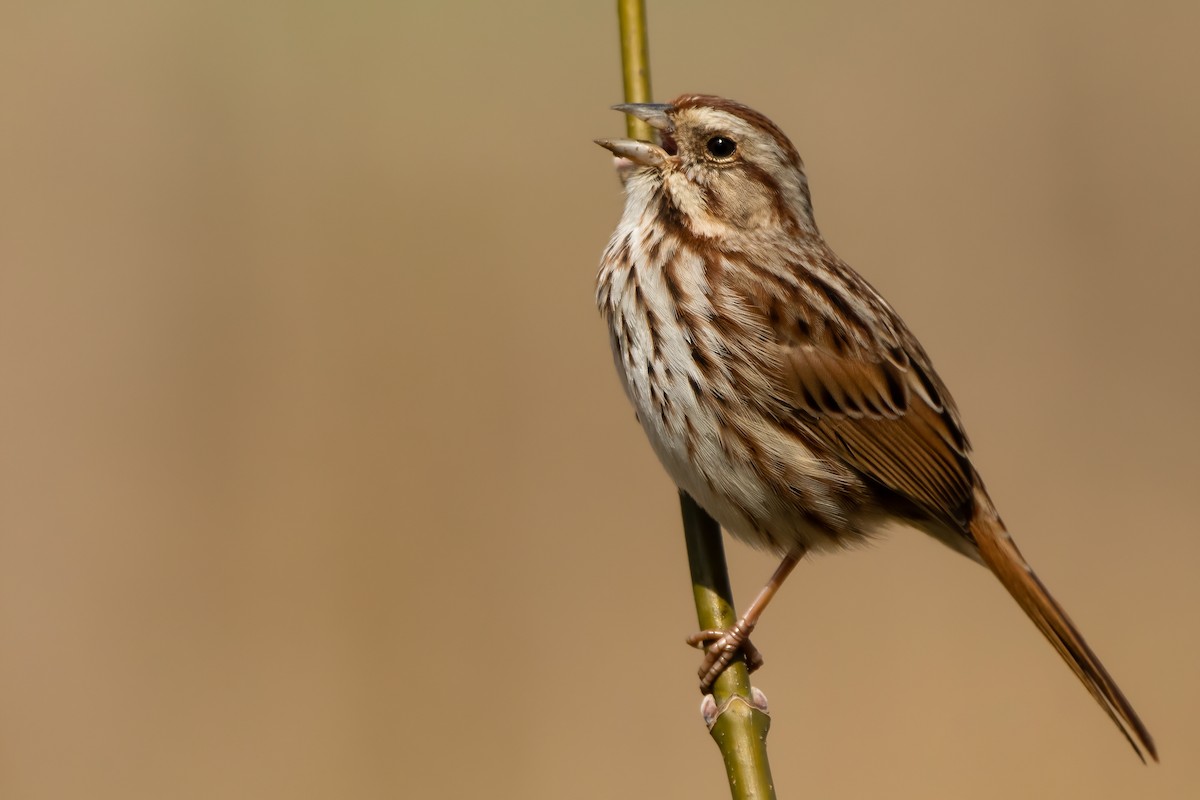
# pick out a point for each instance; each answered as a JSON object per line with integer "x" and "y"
{"x": 656, "y": 115}
{"x": 646, "y": 154}
{"x": 642, "y": 153}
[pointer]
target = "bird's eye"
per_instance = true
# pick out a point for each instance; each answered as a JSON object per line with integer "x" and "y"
{"x": 721, "y": 147}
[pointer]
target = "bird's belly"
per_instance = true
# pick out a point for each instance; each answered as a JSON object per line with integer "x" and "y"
{"x": 764, "y": 488}
{"x": 684, "y": 435}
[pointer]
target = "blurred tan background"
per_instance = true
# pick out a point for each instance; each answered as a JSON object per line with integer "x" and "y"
{"x": 316, "y": 480}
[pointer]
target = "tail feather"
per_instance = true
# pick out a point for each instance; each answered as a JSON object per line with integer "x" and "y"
{"x": 1002, "y": 556}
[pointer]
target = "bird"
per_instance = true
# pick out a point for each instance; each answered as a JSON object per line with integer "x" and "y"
{"x": 777, "y": 387}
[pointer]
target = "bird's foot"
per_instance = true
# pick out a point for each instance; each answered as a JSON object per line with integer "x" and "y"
{"x": 721, "y": 647}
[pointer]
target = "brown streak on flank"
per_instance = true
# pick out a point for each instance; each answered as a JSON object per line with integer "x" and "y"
{"x": 618, "y": 258}
{"x": 652, "y": 243}
{"x": 675, "y": 293}
{"x": 728, "y": 329}
{"x": 671, "y": 282}
{"x": 785, "y": 488}
{"x": 771, "y": 540}
{"x": 648, "y": 239}
{"x": 622, "y": 254}
{"x": 756, "y": 523}
{"x": 604, "y": 294}
{"x": 756, "y": 459}
{"x": 723, "y": 316}
{"x": 627, "y": 340}
{"x": 655, "y": 336}
{"x": 653, "y": 249}
{"x": 801, "y": 503}
{"x": 795, "y": 427}
{"x": 753, "y": 450}
{"x": 689, "y": 439}
{"x": 816, "y": 521}
{"x": 627, "y": 249}
{"x": 688, "y": 320}
{"x": 659, "y": 395}
{"x": 703, "y": 361}
{"x": 721, "y": 428}
{"x": 652, "y": 324}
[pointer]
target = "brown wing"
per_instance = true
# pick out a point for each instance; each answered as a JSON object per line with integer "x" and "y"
{"x": 860, "y": 382}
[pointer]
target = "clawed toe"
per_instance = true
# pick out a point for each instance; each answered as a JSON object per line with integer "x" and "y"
{"x": 720, "y": 648}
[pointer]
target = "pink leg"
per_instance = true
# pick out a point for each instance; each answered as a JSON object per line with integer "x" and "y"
{"x": 721, "y": 646}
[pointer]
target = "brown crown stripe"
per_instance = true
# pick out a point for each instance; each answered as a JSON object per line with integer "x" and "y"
{"x": 748, "y": 114}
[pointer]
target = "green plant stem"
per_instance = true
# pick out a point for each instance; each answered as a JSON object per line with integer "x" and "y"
{"x": 635, "y": 63}
{"x": 739, "y": 728}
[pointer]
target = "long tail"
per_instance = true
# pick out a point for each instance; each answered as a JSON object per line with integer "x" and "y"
{"x": 1002, "y": 556}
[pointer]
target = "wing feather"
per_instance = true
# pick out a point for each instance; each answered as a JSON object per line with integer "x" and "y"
{"x": 872, "y": 397}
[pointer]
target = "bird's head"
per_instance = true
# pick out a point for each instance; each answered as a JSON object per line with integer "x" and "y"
{"x": 722, "y": 166}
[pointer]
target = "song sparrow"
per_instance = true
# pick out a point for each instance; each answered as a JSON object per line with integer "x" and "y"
{"x": 777, "y": 387}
